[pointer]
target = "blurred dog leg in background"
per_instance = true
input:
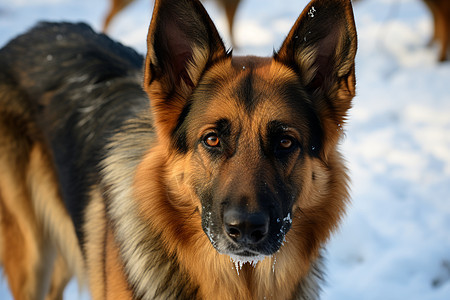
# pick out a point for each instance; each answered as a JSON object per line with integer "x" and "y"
{"x": 230, "y": 7}
{"x": 440, "y": 9}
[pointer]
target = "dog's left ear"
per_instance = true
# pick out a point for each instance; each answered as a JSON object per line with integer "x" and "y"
{"x": 182, "y": 42}
{"x": 321, "y": 48}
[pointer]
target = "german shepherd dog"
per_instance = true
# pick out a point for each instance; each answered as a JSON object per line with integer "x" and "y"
{"x": 226, "y": 184}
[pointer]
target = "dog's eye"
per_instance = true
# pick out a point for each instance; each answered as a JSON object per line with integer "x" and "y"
{"x": 212, "y": 140}
{"x": 285, "y": 143}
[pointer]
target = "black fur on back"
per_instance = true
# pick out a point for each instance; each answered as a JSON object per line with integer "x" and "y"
{"x": 82, "y": 87}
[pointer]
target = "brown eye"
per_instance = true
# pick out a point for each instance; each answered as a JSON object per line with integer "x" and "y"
{"x": 285, "y": 143}
{"x": 212, "y": 140}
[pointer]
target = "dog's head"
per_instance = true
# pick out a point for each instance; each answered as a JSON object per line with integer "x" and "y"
{"x": 257, "y": 136}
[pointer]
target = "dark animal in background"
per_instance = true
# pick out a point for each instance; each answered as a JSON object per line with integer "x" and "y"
{"x": 230, "y": 7}
{"x": 217, "y": 177}
{"x": 440, "y": 10}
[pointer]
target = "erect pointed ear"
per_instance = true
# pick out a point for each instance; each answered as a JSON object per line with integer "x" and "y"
{"x": 322, "y": 43}
{"x": 321, "y": 48}
{"x": 182, "y": 42}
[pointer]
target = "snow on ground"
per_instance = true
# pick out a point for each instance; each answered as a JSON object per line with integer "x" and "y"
{"x": 395, "y": 240}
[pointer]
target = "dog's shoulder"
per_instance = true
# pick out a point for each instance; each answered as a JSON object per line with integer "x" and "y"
{"x": 51, "y": 54}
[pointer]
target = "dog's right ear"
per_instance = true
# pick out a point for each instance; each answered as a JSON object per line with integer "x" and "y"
{"x": 182, "y": 42}
{"x": 321, "y": 47}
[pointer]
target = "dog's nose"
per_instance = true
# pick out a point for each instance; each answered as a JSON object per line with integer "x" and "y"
{"x": 246, "y": 228}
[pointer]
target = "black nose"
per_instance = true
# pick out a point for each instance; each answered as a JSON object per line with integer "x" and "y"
{"x": 246, "y": 228}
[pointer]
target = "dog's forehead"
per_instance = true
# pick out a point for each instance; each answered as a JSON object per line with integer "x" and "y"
{"x": 250, "y": 92}
{"x": 251, "y": 85}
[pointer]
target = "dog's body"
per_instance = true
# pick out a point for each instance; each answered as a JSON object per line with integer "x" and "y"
{"x": 231, "y": 157}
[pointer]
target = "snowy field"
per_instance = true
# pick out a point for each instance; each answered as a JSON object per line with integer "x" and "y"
{"x": 395, "y": 241}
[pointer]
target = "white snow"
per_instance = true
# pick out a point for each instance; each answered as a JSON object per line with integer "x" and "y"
{"x": 395, "y": 240}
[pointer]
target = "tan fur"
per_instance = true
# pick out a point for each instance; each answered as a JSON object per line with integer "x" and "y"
{"x": 440, "y": 10}
{"x": 25, "y": 246}
{"x": 19, "y": 263}
{"x": 35, "y": 223}
{"x": 105, "y": 270}
{"x": 116, "y": 6}
{"x": 115, "y": 282}
{"x": 95, "y": 228}
{"x": 60, "y": 277}
{"x": 29, "y": 231}
{"x": 50, "y": 209}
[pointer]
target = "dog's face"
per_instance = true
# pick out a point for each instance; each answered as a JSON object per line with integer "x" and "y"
{"x": 254, "y": 133}
{"x": 250, "y": 131}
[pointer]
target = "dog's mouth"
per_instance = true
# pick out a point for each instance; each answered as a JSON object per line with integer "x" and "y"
{"x": 242, "y": 252}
